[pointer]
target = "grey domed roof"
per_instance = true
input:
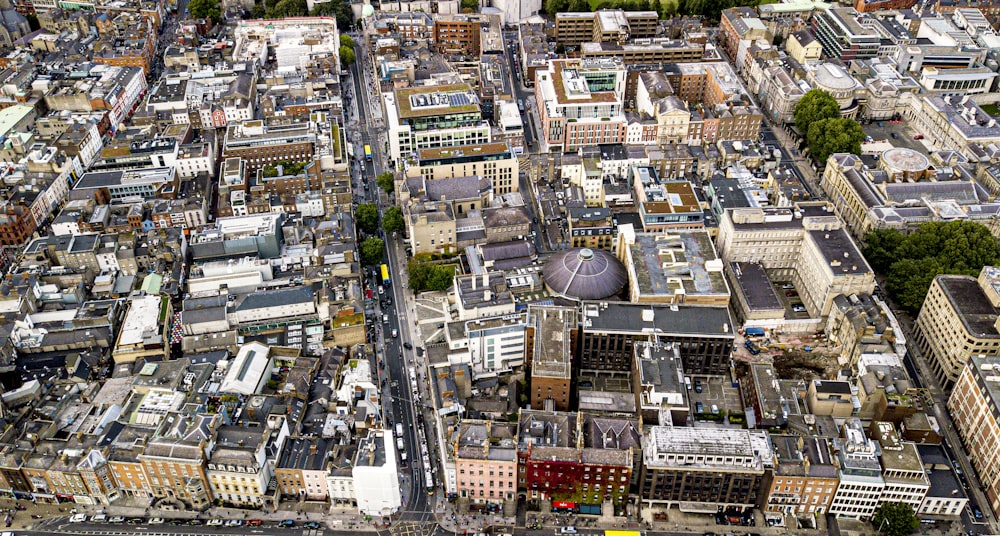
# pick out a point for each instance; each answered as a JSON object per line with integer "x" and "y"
{"x": 585, "y": 274}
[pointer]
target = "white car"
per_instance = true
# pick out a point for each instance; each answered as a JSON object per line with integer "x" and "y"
{"x": 117, "y": 519}
{"x": 215, "y": 522}
{"x": 234, "y": 523}
{"x": 156, "y": 521}
{"x": 99, "y": 518}
{"x": 78, "y": 518}
{"x": 567, "y": 530}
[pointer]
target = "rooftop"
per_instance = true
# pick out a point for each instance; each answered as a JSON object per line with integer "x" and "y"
{"x": 677, "y": 263}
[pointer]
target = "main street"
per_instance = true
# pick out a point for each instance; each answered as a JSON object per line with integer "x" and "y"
{"x": 399, "y": 399}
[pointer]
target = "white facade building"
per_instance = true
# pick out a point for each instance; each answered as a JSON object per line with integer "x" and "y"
{"x": 376, "y": 478}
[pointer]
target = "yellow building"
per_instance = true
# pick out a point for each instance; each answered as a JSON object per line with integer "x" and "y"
{"x": 803, "y": 46}
{"x": 958, "y": 320}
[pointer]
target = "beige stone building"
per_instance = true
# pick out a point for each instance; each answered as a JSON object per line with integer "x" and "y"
{"x": 803, "y": 46}
{"x": 494, "y": 161}
{"x": 958, "y": 320}
{"x": 804, "y": 244}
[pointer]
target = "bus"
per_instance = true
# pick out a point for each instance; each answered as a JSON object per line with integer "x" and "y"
{"x": 385, "y": 274}
{"x": 368, "y": 153}
{"x": 429, "y": 480}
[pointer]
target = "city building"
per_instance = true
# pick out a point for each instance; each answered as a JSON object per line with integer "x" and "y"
{"x": 429, "y": 117}
{"x": 665, "y": 205}
{"x": 952, "y": 123}
{"x": 805, "y": 476}
{"x": 174, "y": 459}
{"x": 842, "y": 36}
{"x": 551, "y": 346}
{"x": 604, "y": 26}
{"x": 581, "y": 103}
{"x": 958, "y": 321}
{"x": 679, "y": 267}
{"x": 486, "y": 462}
{"x": 701, "y": 469}
{"x": 972, "y": 405}
{"x": 493, "y": 161}
{"x": 804, "y": 244}
{"x": 609, "y": 333}
{"x": 143, "y": 332}
{"x": 902, "y": 468}
{"x": 376, "y": 477}
{"x": 860, "y": 490}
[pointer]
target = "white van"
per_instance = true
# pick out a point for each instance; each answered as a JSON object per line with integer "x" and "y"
{"x": 399, "y": 444}
{"x": 399, "y": 429}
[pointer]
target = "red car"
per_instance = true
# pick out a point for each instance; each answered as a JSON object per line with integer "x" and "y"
{"x": 253, "y": 523}
{"x": 918, "y": 137}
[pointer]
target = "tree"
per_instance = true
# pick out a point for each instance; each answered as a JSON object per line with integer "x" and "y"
{"x": 579, "y": 6}
{"x": 346, "y": 41}
{"x": 911, "y": 262}
{"x": 386, "y": 181}
{"x": 656, "y": 6}
{"x": 205, "y": 9}
{"x": 336, "y": 8}
{"x": 880, "y": 248}
{"x": 895, "y": 519}
{"x": 424, "y": 275}
{"x": 366, "y": 216}
{"x": 470, "y": 6}
{"x": 372, "y": 251}
{"x": 556, "y": 6}
{"x": 814, "y": 106}
{"x": 347, "y": 55}
{"x": 838, "y": 135}
{"x": 778, "y": 39}
{"x": 288, "y": 8}
{"x": 392, "y": 220}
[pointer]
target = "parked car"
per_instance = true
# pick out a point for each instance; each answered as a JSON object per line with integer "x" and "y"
{"x": 234, "y": 523}
{"x": 117, "y": 519}
{"x": 918, "y": 137}
{"x": 78, "y": 518}
{"x": 310, "y": 525}
{"x": 215, "y": 523}
{"x": 286, "y": 523}
{"x": 195, "y": 522}
{"x": 407, "y": 345}
{"x": 156, "y": 521}
{"x": 799, "y": 308}
{"x": 99, "y": 518}
{"x": 567, "y": 530}
{"x": 253, "y": 522}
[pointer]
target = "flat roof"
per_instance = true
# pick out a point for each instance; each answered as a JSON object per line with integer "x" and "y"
{"x": 678, "y": 320}
{"x": 974, "y": 308}
{"x": 685, "y": 261}
{"x": 756, "y": 287}
{"x": 141, "y": 321}
{"x": 405, "y": 100}
{"x": 841, "y": 254}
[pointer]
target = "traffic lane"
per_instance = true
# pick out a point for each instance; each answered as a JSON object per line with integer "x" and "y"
{"x": 267, "y": 527}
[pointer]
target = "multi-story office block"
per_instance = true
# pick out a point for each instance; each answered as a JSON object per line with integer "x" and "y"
{"x": 494, "y": 161}
{"x": 610, "y": 331}
{"x": 430, "y": 117}
{"x": 710, "y": 466}
{"x": 973, "y": 407}
{"x": 580, "y": 103}
{"x": 860, "y": 491}
{"x": 842, "y": 36}
{"x": 958, "y": 320}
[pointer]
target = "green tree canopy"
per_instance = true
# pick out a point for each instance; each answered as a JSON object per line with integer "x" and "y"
{"x": 372, "y": 251}
{"x": 392, "y": 220}
{"x": 426, "y": 275}
{"x": 366, "y": 217}
{"x": 287, "y": 8}
{"x": 912, "y": 261}
{"x": 341, "y": 9}
{"x": 346, "y": 41}
{"x": 470, "y": 5}
{"x": 205, "y": 9}
{"x": 386, "y": 181}
{"x": 579, "y": 6}
{"x": 837, "y": 135}
{"x": 814, "y": 106}
{"x": 895, "y": 519}
{"x": 347, "y": 57}
{"x": 556, "y": 6}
